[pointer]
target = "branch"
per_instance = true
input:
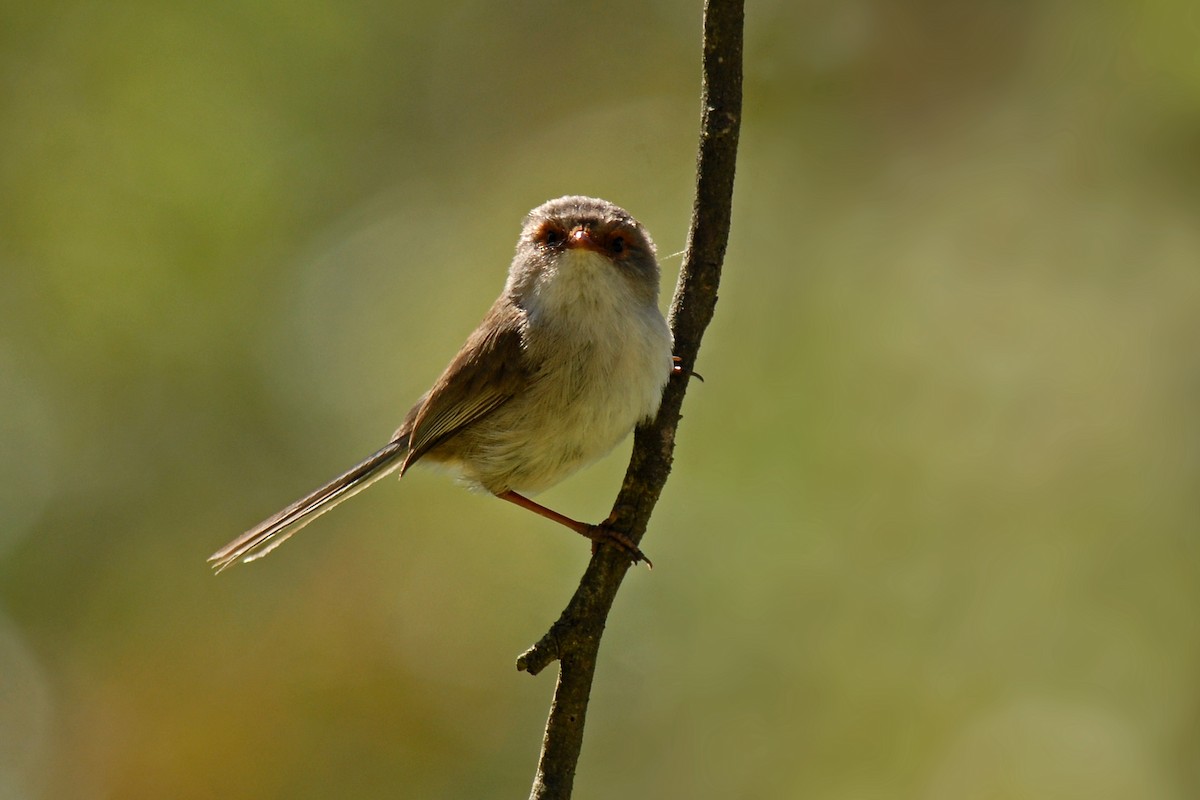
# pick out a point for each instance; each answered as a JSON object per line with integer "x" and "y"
{"x": 574, "y": 640}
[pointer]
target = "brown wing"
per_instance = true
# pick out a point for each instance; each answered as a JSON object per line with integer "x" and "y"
{"x": 488, "y": 371}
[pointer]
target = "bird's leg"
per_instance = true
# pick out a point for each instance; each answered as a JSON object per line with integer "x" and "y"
{"x": 597, "y": 533}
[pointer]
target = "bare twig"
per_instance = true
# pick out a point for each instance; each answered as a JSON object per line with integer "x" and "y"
{"x": 574, "y": 640}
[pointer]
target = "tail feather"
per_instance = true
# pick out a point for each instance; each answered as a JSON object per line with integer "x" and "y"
{"x": 275, "y": 530}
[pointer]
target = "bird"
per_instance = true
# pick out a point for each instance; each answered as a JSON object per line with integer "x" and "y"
{"x": 571, "y": 356}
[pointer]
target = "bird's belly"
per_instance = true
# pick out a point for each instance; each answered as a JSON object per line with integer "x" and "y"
{"x": 564, "y": 421}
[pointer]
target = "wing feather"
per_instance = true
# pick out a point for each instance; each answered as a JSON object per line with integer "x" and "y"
{"x": 488, "y": 371}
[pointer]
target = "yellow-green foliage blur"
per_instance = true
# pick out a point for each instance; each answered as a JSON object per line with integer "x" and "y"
{"x": 933, "y": 527}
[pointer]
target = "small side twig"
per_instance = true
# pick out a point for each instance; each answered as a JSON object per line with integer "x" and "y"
{"x": 574, "y": 639}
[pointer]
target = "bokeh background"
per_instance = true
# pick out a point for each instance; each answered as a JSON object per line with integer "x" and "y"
{"x": 932, "y": 530}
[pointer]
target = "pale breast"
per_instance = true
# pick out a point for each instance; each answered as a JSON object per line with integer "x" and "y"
{"x": 602, "y": 361}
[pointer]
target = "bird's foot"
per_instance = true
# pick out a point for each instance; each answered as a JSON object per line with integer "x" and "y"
{"x": 602, "y": 533}
{"x": 677, "y": 368}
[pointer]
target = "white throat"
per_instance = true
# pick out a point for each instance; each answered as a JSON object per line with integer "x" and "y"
{"x": 583, "y": 289}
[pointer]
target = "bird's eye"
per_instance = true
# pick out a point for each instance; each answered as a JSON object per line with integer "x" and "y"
{"x": 617, "y": 244}
{"x": 551, "y": 236}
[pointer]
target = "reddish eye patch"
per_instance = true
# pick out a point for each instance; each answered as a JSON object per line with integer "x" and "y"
{"x": 550, "y": 235}
{"x": 616, "y": 242}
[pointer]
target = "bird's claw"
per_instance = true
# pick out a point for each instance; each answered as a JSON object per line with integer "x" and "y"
{"x": 677, "y": 368}
{"x": 603, "y": 533}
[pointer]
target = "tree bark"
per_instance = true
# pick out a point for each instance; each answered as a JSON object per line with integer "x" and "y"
{"x": 574, "y": 639}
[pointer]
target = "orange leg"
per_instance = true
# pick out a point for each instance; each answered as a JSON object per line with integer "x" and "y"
{"x": 597, "y": 533}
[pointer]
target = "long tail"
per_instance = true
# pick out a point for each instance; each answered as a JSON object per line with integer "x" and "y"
{"x": 274, "y": 531}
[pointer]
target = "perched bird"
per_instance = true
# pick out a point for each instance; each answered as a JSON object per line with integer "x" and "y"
{"x": 571, "y": 356}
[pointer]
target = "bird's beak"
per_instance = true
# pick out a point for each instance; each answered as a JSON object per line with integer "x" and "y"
{"x": 582, "y": 237}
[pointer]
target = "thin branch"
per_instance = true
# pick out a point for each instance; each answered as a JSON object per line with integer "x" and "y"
{"x": 574, "y": 640}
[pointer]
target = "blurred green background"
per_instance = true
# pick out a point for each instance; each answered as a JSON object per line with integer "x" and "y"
{"x": 932, "y": 531}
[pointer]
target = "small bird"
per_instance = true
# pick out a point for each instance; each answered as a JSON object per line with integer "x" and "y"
{"x": 571, "y": 356}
